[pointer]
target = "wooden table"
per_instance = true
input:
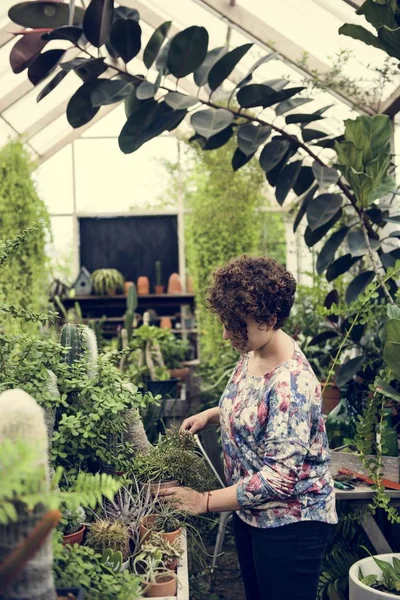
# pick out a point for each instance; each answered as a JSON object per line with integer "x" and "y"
{"x": 359, "y": 499}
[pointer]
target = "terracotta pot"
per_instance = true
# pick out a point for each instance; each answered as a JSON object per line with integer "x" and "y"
{"x": 165, "y": 586}
{"x": 180, "y": 373}
{"x": 159, "y": 289}
{"x": 166, "y": 323}
{"x": 189, "y": 285}
{"x": 74, "y": 538}
{"x": 175, "y": 284}
{"x": 143, "y": 285}
{"x": 330, "y": 397}
{"x": 127, "y": 285}
{"x": 145, "y": 528}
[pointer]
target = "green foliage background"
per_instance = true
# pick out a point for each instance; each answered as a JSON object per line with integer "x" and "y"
{"x": 224, "y": 220}
{"x": 24, "y": 279}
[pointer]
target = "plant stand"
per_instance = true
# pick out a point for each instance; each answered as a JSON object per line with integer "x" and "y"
{"x": 182, "y": 575}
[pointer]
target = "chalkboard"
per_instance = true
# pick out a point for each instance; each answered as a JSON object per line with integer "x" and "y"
{"x": 130, "y": 244}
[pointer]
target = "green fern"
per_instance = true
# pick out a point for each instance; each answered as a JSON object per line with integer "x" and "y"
{"x": 22, "y": 481}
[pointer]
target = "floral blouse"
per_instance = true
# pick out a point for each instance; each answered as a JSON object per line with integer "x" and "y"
{"x": 275, "y": 445}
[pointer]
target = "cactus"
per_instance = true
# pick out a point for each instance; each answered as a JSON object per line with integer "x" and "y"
{"x": 23, "y": 419}
{"x": 50, "y": 413}
{"x": 105, "y": 534}
{"x": 158, "y": 273}
{"x": 80, "y": 340}
{"x": 131, "y": 305}
{"x": 135, "y": 431}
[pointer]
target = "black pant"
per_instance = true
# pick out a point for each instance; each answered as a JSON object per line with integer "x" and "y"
{"x": 281, "y": 563}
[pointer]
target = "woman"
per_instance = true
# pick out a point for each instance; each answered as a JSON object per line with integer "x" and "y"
{"x": 273, "y": 436}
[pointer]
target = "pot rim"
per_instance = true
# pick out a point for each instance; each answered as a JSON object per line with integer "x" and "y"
{"x": 353, "y": 574}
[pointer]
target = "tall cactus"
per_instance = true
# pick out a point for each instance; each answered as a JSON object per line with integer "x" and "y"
{"x": 131, "y": 306}
{"x": 80, "y": 340}
{"x": 23, "y": 419}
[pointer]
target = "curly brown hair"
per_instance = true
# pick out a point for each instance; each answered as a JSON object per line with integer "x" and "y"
{"x": 253, "y": 287}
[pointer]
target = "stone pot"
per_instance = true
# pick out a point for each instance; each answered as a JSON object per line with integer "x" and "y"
{"x": 166, "y": 323}
{"x": 360, "y": 591}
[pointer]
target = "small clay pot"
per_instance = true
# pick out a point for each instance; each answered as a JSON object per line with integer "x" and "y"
{"x": 175, "y": 284}
{"x": 159, "y": 289}
{"x": 127, "y": 285}
{"x": 330, "y": 397}
{"x": 166, "y": 323}
{"x": 143, "y": 285}
{"x": 165, "y": 586}
{"x": 74, "y": 538}
{"x": 145, "y": 529}
{"x": 180, "y": 373}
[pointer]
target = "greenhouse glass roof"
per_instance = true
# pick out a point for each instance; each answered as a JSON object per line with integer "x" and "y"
{"x": 302, "y": 38}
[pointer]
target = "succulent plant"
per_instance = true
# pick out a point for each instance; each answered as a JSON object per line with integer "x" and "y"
{"x": 107, "y": 282}
{"x": 104, "y": 535}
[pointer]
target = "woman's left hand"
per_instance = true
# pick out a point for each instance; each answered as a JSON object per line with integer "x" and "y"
{"x": 186, "y": 499}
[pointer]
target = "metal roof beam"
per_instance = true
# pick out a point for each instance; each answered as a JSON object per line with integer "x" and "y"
{"x": 391, "y": 106}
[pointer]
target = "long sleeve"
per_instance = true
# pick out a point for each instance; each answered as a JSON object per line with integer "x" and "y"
{"x": 284, "y": 443}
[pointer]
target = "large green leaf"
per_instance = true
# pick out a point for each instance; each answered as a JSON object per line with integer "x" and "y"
{"x": 257, "y": 94}
{"x": 390, "y": 40}
{"x": 387, "y": 390}
{"x": 225, "y": 65}
{"x": 44, "y": 65}
{"x": 86, "y": 68}
{"x": 139, "y": 119}
{"x": 146, "y": 90}
{"x": 111, "y": 91}
{"x": 302, "y": 119}
{"x": 218, "y": 140}
{"x": 312, "y": 134}
{"x": 187, "y": 51}
{"x": 272, "y": 153}
{"x": 179, "y": 101}
{"x": 80, "y": 109}
{"x": 391, "y": 351}
{"x": 97, "y": 21}
{"x": 377, "y": 14}
{"x": 357, "y": 243}
{"x": 67, "y": 32}
{"x": 154, "y": 44}
{"x": 322, "y": 337}
{"x": 250, "y": 137}
{"x": 340, "y": 265}
{"x": 240, "y": 159}
{"x": 358, "y": 285}
{"x": 331, "y": 246}
{"x": 286, "y": 180}
{"x": 303, "y": 207}
{"x": 211, "y": 121}
{"x": 292, "y": 103}
{"x": 322, "y": 209}
{"x": 312, "y": 237}
{"x": 161, "y": 61}
{"x": 370, "y": 135}
{"x": 304, "y": 181}
{"x": 325, "y": 175}
{"x": 349, "y": 369}
{"x": 201, "y": 74}
{"x": 126, "y": 38}
{"x": 26, "y": 50}
{"x": 53, "y": 83}
{"x": 357, "y": 32}
{"x": 43, "y": 14}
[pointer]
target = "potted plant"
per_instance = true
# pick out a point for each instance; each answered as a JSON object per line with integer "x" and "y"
{"x": 158, "y": 581}
{"x": 375, "y": 577}
{"x": 165, "y": 522}
{"x": 72, "y": 525}
{"x": 170, "y": 551}
{"x": 159, "y": 287}
{"x": 105, "y": 535}
{"x": 143, "y": 285}
{"x": 107, "y": 282}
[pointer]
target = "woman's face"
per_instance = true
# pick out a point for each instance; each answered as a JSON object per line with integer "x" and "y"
{"x": 258, "y": 336}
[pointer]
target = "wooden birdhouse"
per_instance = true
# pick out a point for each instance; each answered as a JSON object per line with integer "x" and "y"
{"x": 83, "y": 283}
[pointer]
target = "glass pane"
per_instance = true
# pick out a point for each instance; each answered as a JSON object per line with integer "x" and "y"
{"x": 61, "y": 249}
{"x": 55, "y": 182}
{"x": 108, "y": 181}
{"x": 6, "y": 132}
{"x": 51, "y": 134}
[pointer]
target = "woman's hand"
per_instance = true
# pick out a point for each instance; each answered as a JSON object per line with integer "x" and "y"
{"x": 201, "y": 420}
{"x": 195, "y": 423}
{"x": 186, "y": 499}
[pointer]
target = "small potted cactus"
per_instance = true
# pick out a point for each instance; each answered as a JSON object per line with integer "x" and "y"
{"x": 105, "y": 535}
{"x": 159, "y": 287}
{"x": 72, "y": 524}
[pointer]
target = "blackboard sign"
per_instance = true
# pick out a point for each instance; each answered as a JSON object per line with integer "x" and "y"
{"x": 130, "y": 244}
